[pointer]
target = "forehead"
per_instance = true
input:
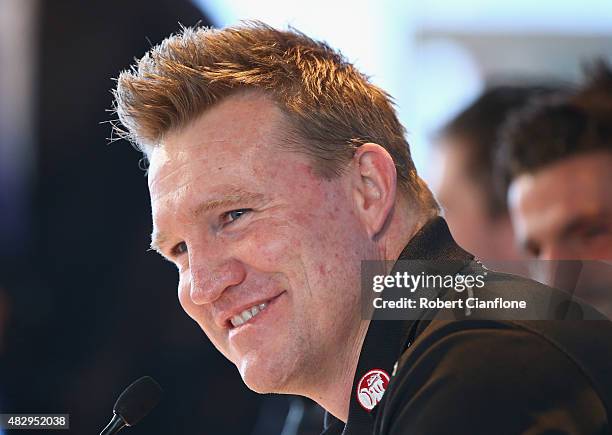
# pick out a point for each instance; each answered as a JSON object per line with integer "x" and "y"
{"x": 575, "y": 187}
{"x": 238, "y": 137}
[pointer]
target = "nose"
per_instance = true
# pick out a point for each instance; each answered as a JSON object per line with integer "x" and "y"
{"x": 212, "y": 275}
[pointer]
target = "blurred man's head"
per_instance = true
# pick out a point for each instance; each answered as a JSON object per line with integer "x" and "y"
{"x": 473, "y": 205}
{"x": 275, "y": 168}
{"x": 557, "y": 156}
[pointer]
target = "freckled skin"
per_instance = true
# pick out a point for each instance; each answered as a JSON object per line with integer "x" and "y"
{"x": 302, "y": 244}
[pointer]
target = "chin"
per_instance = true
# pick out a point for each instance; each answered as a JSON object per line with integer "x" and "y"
{"x": 264, "y": 377}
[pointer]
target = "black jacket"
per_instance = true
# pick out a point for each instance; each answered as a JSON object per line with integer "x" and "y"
{"x": 482, "y": 376}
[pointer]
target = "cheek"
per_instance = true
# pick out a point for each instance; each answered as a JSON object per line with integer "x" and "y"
{"x": 269, "y": 246}
{"x": 598, "y": 248}
{"x": 331, "y": 254}
{"x": 310, "y": 246}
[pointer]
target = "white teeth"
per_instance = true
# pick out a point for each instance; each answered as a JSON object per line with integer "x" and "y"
{"x": 247, "y": 314}
{"x": 237, "y": 321}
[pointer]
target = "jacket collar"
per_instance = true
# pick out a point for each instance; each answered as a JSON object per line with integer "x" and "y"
{"x": 386, "y": 339}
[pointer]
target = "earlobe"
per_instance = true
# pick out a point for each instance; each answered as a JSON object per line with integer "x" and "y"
{"x": 374, "y": 186}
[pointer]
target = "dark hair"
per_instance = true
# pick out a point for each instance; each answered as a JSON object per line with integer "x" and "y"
{"x": 560, "y": 126}
{"x": 477, "y": 127}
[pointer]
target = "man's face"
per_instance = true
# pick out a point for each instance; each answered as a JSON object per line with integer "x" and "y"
{"x": 461, "y": 199}
{"x": 254, "y": 232}
{"x": 564, "y": 210}
{"x": 464, "y": 202}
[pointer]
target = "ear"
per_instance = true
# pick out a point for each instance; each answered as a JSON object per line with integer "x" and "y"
{"x": 374, "y": 183}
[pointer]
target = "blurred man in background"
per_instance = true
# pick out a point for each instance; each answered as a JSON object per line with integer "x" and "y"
{"x": 557, "y": 157}
{"x": 475, "y": 209}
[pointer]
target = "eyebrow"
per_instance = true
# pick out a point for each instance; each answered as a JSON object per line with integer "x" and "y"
{"x": 574, "y": 225}
{"x": 233, "y": 198}
{"x": 581, "y": 222}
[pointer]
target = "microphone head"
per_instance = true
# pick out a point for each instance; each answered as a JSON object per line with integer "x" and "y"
{"x": 138, "y": 400}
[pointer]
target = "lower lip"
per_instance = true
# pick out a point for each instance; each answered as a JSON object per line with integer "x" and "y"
{"x": 261, "y": 317}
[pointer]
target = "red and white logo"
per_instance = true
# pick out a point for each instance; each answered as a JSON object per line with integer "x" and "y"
{"x": 371, "y": 388}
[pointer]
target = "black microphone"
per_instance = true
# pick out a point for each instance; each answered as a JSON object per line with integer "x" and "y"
{"x": 133, "y": 404}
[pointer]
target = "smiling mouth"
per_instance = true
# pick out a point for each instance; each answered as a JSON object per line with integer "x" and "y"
{"x": 248, "y": 314}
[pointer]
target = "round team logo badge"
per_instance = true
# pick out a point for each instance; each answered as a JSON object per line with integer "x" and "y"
{"x": 371, "y": 388}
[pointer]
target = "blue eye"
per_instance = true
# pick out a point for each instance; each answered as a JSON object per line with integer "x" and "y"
{"x": 179, "y": 248}
{"x": 234, "y": 215}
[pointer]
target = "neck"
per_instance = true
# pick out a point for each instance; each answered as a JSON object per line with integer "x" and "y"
{"x": 334, "y": 390}
{"x": 402, "y": 228}
{"x": 334, "y": 395}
